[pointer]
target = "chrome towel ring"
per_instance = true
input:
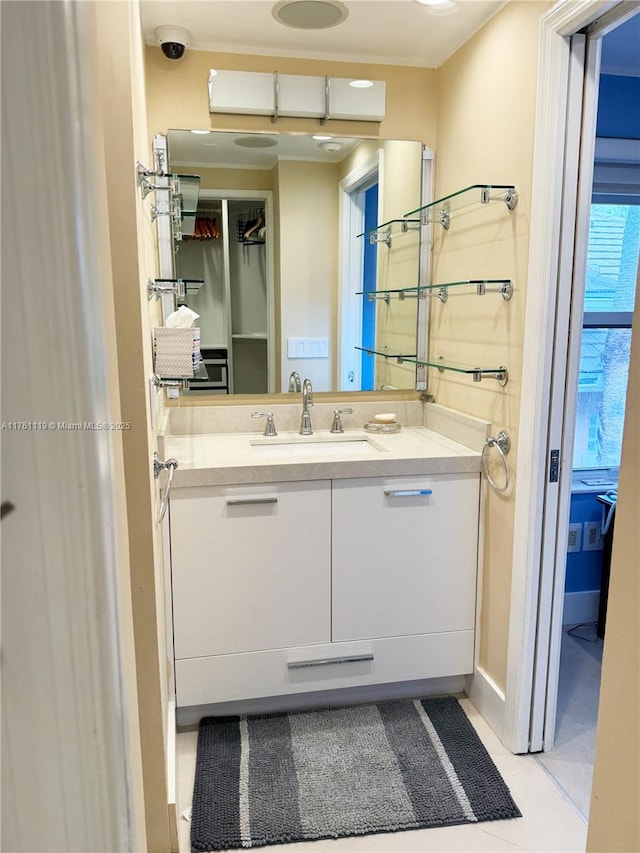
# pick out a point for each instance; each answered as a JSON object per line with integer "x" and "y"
{"x": 502, "y": 444}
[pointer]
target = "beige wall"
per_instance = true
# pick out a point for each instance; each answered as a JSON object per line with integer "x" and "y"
{"x": 133, "y": 258}
{"x": 614, "y": 823}
{"x": 308, "y": 252}
{"x": 231, "y": 179}
{"x": 177, "y": 95}
{"x": 485, "y": 122}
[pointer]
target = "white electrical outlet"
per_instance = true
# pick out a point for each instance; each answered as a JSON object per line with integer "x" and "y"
{"x": 574, "y": 538}
{"x": 592, "y": 536}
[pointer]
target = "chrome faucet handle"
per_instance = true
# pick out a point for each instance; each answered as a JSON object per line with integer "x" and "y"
{"x": 294, "y": 381}
{"x": 269, "y": 427}
{"x": 336, "y": 427}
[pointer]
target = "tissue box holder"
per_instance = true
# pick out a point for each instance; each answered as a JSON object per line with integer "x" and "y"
{"x": 176, "y": 352}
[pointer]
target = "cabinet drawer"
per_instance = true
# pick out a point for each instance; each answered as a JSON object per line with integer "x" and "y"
{"x": 225, "y": 678}
{"x": 404, "y": 555}
{"x": 250, "y": 567}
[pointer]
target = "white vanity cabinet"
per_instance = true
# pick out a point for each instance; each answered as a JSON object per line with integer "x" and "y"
{"x": 250, "y": 567}
{"x": 404, "y": 555}
{"x": 288, "y": 588}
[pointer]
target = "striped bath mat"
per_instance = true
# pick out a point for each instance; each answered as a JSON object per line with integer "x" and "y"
{"x": 341, "y": 771}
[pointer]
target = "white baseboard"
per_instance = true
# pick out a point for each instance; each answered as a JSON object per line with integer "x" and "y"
{"x": 580, "y": 607}
{"x": 488, "y": 699}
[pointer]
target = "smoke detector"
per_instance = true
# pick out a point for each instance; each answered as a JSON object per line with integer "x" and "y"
{"x": 331, "y": 146}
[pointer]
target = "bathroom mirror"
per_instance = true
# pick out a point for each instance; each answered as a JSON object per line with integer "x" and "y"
{"x": 280, "y": 243}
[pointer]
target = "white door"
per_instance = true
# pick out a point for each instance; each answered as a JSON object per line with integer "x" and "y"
{"x": 576, "y": 194}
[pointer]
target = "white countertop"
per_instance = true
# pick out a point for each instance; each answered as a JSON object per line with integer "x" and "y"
{"x": 237, "y": 458}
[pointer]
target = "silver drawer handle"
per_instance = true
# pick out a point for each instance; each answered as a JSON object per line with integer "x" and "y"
{"x": 300, "y": 664}
{"x": 406, "y": 493}
{"x": 247, "y": 501}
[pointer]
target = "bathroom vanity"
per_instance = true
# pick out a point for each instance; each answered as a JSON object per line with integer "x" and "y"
{"x": 310, "y": 563}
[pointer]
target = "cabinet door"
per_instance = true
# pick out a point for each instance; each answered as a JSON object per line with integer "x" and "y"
{"x": 250, "y": 567}
{"x": 404, "y": 555}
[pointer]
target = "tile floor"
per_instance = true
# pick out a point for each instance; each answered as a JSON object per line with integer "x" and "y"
{"x": 570, "y": 762}
{"x": 550, "y": 821}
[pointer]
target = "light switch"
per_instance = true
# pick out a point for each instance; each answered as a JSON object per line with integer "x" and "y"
{"x": 308, "y": 347}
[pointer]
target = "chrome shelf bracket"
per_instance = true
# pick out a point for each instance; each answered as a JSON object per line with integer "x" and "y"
{"x": 506, "y": 290}
{"x": 511, "y": 199}
{"x": 384, "y": 297}
{"x": 159, "y": 382}
{"x": 384, "y": 237}
{"x": 160, "y": 288}
{"x": 501, "y": 375}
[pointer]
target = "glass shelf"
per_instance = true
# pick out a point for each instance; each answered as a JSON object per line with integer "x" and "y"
{"x": 395, "y": 356}
{"x": 503, "y": 286}
{"x": 200, "y": 375}
{"x": 442, "y": 209}
{"x": 383, "y": 233}
{"x": 501, "y": 374}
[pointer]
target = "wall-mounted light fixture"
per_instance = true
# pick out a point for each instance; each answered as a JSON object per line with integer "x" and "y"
{"x": 295, "y": 95}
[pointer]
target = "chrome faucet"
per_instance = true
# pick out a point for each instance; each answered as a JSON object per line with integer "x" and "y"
{"x": 294, "y": 381}
{"x": 336, "y": 426}
{"x": 307, "y": 401}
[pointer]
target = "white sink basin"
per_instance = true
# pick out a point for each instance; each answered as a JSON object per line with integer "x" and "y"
{"x": 348, "y": 446}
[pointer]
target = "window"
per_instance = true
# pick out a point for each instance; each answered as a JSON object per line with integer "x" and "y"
{"x": 612, "y": 265}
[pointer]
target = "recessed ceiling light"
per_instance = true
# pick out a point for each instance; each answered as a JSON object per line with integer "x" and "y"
{"x": 361, "y": 84}
{"x": 201, "y": 131}
{"x": 310, "y": 14}
{"x": 438, "y": 7}
{"x": 319, "y": 137}
{"x": 255, "y": 141}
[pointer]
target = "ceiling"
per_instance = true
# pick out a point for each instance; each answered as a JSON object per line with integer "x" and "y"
{"x": 234, "y": 150}
{"x": 388, "y": 32}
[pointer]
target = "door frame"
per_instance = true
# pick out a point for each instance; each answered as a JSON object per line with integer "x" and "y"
{"x": 350, "y": 265}
{"x": 532, "y": 596}
{"x": 274, "y": 367}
